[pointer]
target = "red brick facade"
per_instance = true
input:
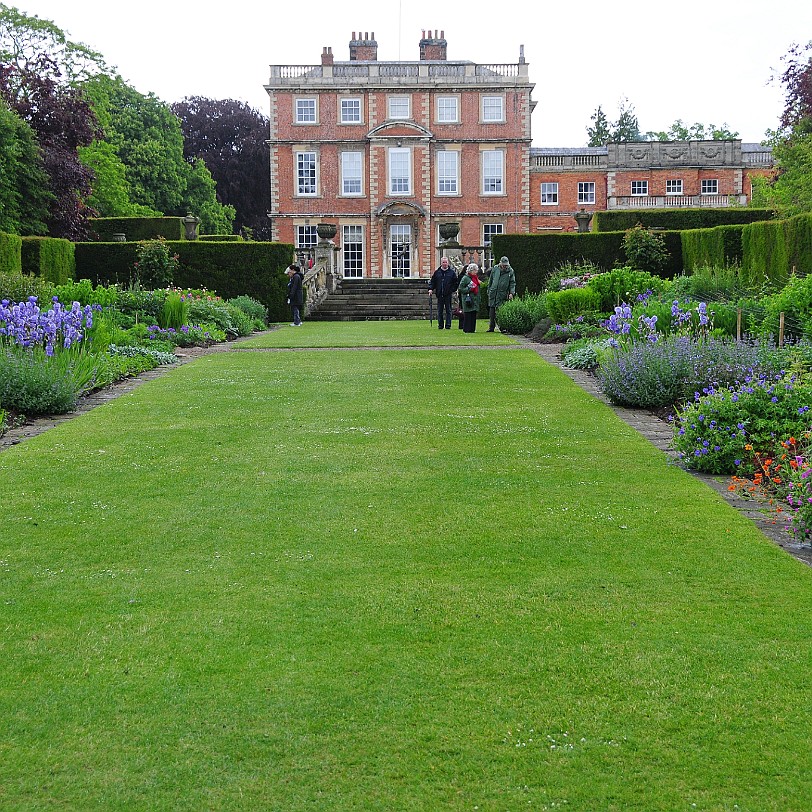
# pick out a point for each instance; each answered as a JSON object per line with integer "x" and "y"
{"x": 387, "y": 151}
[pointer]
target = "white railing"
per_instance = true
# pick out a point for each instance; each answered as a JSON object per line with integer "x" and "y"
{"x": 295, "y": 71}
{"x": 397, "y": 70}
{"x": 677, "y": 202}
{"x": 350, "y": 70}
{"x": 446, "y": 70}
{"x": 497, "y": 70}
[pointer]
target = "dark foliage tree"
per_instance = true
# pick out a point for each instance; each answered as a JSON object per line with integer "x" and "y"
{"x": 62, "y": 121}
{"x": 627, "y": 127}
{"x": 797, "y": 81}
{"x": 230, "y": 137}
{"x": 679, "y": 131}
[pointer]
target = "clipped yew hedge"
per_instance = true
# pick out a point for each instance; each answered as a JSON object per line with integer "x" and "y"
{"x": 138, "y": 228}
{"x": 716, "y": 247}
{"x": 677, "y": 219}
{"x": 230, "y": 269}
{"x": 535, "y": 257}
{"x": 51, "y": 258}
{"x": 10, "y": 253}
{"x": 772, "y": 251}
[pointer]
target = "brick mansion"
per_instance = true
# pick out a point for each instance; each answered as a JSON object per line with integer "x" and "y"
{"x": 387, "y": 152}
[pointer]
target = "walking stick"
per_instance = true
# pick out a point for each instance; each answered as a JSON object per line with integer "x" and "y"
{"x": 431, "y": 310}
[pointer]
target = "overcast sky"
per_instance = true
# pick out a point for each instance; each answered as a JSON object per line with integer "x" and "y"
{"x": 705, "y": 61}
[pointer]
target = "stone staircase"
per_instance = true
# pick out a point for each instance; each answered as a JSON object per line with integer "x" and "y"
{"x": 374, "y": 299}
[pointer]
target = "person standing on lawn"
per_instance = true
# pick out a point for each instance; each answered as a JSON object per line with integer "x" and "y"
{"x": 443, "y": 284}
{"x": 501, "y": 287}
{"x": 295, "y": 294}
{"x": 469, "y": 297}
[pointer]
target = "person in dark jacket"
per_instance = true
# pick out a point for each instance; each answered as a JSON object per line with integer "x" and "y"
{"x": 501, "y": 288}
{"x": 295, "y": 294}
{"x": 443, "y": 284}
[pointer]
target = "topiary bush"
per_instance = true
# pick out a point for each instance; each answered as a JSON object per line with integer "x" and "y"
{"x": 566, "y": 305}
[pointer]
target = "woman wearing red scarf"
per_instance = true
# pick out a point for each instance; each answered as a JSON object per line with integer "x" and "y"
{"x": 469, "y": 298}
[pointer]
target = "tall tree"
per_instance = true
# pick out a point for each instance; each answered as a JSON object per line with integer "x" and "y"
{"x": 230, "y": 137}
{"x": 600, "y": 133}
{"x": 62, "y": 121}
{"x": 790, "y": 190}
{"x": 627, "y": 127}
{"x": 24, "y": 195}
{"x": 146, "y": 137}
{"x": 25, "y": 37}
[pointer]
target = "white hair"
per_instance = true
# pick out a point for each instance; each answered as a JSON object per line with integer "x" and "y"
{"x": 473, "y": 267}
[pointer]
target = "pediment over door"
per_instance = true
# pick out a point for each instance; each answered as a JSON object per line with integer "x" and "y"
{"x": 399, "y": 208}
{"x": 399, "y": 129}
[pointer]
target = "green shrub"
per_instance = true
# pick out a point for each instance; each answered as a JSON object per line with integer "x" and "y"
{"x": 137, "y": 306}
{"x": 718, "y": 246}
{"x": 241, "y": 323}
{"x": 584, "y": 353}
{"x": 521, "y": 314}
{"x": 52, "y": 259}
{"x": 252, "y": 308}
{"x": 209, "y": 310}
{"x": 645, "y": 250}
{"x": 565, "y": 305}
{"x": 155, "y": 266}
{"x": 623, "y": 285}
{"x": 220, "y": 237}
{"x": 17, "y": 287}
{"x": 794, "y": 300}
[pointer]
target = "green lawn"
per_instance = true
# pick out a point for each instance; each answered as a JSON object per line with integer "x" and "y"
{"x": 413, "y": 333}
{"x": 392, "y": 580}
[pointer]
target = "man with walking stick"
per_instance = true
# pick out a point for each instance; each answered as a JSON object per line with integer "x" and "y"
{"x": 443, "y": 284}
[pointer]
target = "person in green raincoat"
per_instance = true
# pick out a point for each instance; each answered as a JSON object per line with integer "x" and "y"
{"x": 501, "y": 287}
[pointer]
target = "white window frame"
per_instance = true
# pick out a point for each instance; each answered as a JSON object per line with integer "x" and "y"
{"x": 448, "y": 172}
{"x": 354, "y": 104}
{"x": 299, "y": 116}
{"x": 492, "y": 184}
{"x": 674, "y": 187}
{"x": 352, "y": 259}
{"x": 306, "y": 236}
{"x": 394, "y": 101}
{"x": 491, "y": 229}
{"x": 352, "y": 181}
{"x": 302, "y": 181}
{"x": 488, "y": 110}
{"x": 586, "y": 191}
{"x": 639, "y": 188}
{"x": 549, "y": 193}
{"x": 443, "y": 110}
{"x": 706, "y": 184}
{"x": 403, "y": 187}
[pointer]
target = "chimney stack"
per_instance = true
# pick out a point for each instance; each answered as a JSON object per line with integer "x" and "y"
{"x": 363, "y": 49}
{"x": 433, "y": 48}
{"x": 327, "y": 56}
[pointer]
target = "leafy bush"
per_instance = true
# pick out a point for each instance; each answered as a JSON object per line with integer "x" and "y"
{"x": 624, "y": 285}
{"x": 520, "y": 314}
{"x": 158, "y": 356}
{"x": 155, "y": 267}
{"x": 140, "y": 306}
{"x": 241, "y": 323}
{"x": 17, "y": 287}
{"x": 795, "y": 301}
{"x": 211, "y": 309}
{"x": 82, "y": 291}
{"x": 201, "y": 335}
{"x": 566, "y": 305}
{"x": 252, "y": 308}
{"x": 645, "y": 250}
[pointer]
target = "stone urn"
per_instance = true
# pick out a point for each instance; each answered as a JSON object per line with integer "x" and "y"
{"x": 582, "y": 219}
{"x": 448, "y": 232}
{"x": 190, "y": 224}
{"x": 118, "y": 236}
{"x": 326, "y": 231}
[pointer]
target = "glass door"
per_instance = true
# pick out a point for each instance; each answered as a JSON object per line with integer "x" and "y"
{"x": 400, "y": 250}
